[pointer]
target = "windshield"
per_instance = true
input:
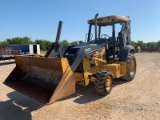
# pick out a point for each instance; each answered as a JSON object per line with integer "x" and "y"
{"x": 104, "y": 31}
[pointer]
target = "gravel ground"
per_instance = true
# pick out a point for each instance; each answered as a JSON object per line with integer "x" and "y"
{"x": 135, "y": 100}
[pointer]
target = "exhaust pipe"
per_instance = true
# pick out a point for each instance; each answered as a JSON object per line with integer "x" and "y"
{"x": 96, "y": 26}
{"x": 55, "y": 46}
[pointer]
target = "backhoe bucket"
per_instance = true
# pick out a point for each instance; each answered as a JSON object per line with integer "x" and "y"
{"x": 44, "y": 79}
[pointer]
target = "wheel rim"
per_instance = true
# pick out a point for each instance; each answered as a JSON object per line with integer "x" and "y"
{"x": 132, "y": 67}
{"x": 108, "y": 83}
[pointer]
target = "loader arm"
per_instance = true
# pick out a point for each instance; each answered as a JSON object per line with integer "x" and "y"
{"x": 78, "y": 59}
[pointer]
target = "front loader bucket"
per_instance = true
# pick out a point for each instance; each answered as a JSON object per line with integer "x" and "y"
{"x": 44, "y": 79}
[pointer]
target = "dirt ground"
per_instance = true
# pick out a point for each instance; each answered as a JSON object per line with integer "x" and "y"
{"x": 135, "y": 100}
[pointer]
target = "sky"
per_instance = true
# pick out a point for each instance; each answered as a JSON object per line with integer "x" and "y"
{"x": 38, "y": 19}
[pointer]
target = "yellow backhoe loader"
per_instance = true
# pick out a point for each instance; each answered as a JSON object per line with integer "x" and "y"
{"x": 97, "y": 60}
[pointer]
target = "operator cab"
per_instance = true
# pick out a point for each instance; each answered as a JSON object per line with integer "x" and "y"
{"x": 114, "y": 43}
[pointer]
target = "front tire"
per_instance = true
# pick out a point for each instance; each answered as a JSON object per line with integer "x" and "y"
{"x": 104, "y": 82}
{"x": 130, "y": 68}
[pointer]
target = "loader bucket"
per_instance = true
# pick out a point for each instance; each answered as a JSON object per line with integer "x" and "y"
{"x": 44, "y": 79}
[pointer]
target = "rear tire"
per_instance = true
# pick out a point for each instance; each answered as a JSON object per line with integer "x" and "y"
{"x": 130, "y": 68}
{"x": 104, "y": 82}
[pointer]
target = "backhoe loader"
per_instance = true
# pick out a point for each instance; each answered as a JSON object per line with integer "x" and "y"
{"x": 99, "y": 60}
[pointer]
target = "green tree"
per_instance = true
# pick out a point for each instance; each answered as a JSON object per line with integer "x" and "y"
{"x": 74, "y": 43}
{"x": 158, "y": 44}
{"x": 145, "y": 45}
{"x": 80, "y": 42}
{"x": 44, "y": 44}
{"x": 140, "y": 43}
{"x": 4, "y": 44}
{"x": 65, "y": 43}
{"x": 19, "y": 40}
{"x": 134, "y": 44}
{"x": 152, "y": 44}
{"x": 26, "y": 40}
{"x": 48, "y": 44}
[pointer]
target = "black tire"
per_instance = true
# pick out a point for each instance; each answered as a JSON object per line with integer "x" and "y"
{"x": 104, "y": 82}
{"x": 130, "y": 68}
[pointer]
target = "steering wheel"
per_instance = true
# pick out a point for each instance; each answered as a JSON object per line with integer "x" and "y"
{"x": 104, "y": 36}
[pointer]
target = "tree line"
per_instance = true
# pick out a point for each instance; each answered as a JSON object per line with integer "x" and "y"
{"x": 44, "y": 44}
{"x": 146, "y": 45}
